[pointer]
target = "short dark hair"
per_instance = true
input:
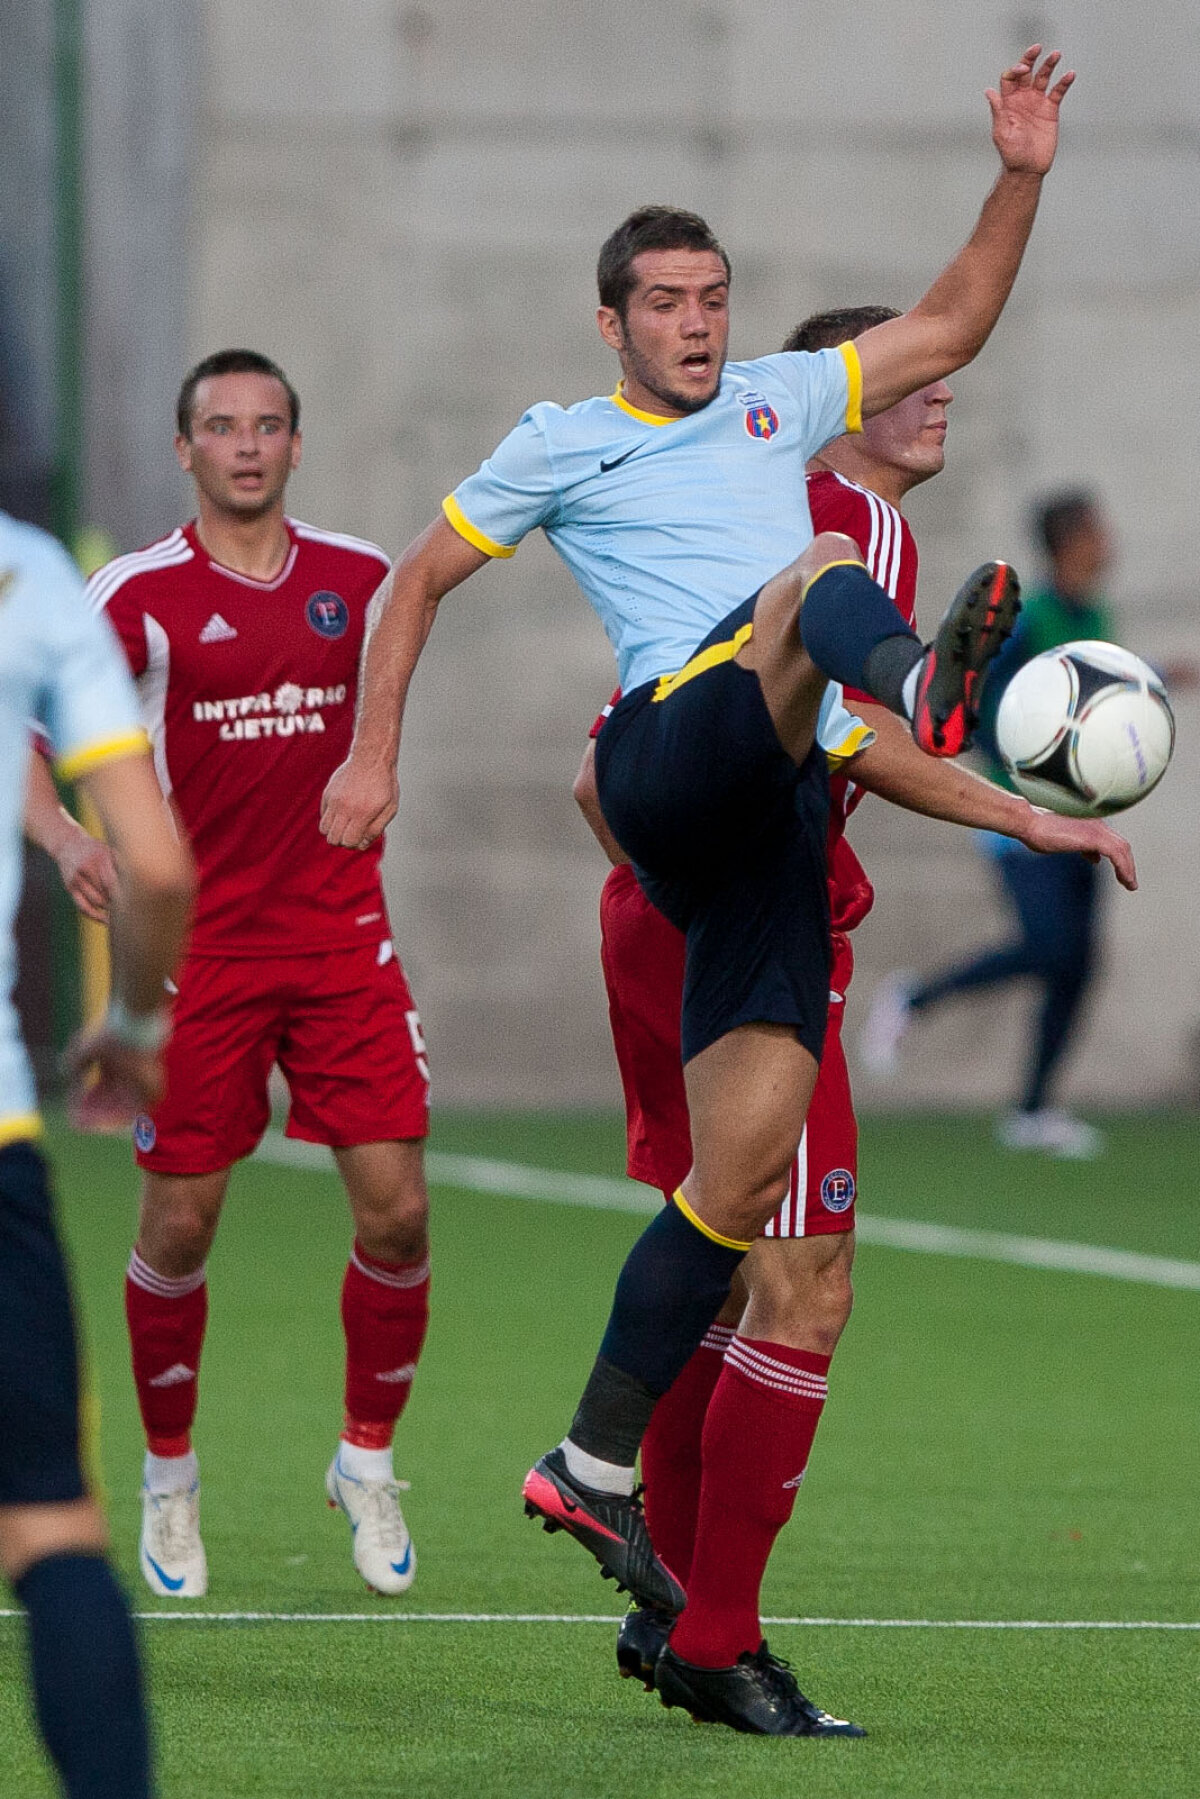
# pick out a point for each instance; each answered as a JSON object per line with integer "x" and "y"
{"x": 649, "y": 228}
{"x": 826, "y": 330}
{"x": 1057, "y": 518}
{"x": 231, "y": 362}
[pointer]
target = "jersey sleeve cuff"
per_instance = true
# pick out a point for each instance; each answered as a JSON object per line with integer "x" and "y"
{"x": 20, "y": 1127}
{"x": 853, "y": 744}
{"x": 476, "y": 538}
{"x": 105, "y": 749}
{"x": 850, "y": 357}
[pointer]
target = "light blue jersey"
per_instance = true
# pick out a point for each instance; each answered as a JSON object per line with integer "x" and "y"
{"x": 668, "y": 524}
{"x": 60, "y": 665}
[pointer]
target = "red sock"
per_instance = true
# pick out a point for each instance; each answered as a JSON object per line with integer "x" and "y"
{"x": 757, "y": 1435}
{"x": 166, "y": 1332}
{"x": 385, "y": 1310}
{"x": 671, "y": 1461}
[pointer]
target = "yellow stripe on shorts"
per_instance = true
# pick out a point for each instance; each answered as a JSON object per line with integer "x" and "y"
{"x": 712, "y": 657}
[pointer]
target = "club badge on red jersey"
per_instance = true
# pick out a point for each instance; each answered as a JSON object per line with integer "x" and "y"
{"x": 837, "y": 1190}
{"x": 762, "y": 420}
{"x": 328, "y": 614}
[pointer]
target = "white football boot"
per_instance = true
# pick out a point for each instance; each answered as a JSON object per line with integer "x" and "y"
{"x": 171, "y": 1554}
{"x": 1054, "y": 1132}
{"x": 383, "y": 1550}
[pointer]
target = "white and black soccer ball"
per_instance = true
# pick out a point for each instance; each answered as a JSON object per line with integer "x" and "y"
{"x": 1086, "y": 729}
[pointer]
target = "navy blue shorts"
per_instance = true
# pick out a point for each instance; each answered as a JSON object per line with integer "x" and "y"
{"x": 728, "y": 838}
{"x": 39, "y": 1362}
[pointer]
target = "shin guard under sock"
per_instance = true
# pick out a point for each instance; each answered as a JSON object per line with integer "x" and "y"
{"x": 385, "y": 1314}
{"x": 856, "y": 636}
{"x": 166, "y": 1318}
{"x": 675, "y": 1280}
{"x": 86, "y": 1678}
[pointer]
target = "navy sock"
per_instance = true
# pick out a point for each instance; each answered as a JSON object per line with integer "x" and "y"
{"x": 674, "y": 1282}
{"x": 87, "y": 1681}
{"x": 856, "y": 636}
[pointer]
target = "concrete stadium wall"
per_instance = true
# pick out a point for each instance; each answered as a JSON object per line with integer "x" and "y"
{"x": 403, "y": 203}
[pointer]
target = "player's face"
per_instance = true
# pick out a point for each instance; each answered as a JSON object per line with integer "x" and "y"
{"x": 909, "y": 438}
{"x": 674, "y": 336}
{"x": 242, "y": 448}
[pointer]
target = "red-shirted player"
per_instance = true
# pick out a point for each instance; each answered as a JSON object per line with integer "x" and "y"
{"x": 243, "y": 629}
{"x": 729, "y": 1443}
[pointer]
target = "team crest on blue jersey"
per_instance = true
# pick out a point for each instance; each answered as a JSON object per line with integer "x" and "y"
{"x": 328, "y": 614}
{"x": 144, "y": 1133}
{"x": 837, "y": 1190}
{"x": 762, "y": 420}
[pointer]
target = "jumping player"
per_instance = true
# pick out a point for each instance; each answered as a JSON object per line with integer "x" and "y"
{"x": 672, "y": 501}
{"x": 728, "y": 1444}
{"x": 243, "y": 630}
{"x": 58, "y": 664}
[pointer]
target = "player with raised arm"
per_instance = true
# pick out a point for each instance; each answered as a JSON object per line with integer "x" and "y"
{"x": 677, "y": 505}
{"x": 728, "y": 1445}
{"x": 243, "y": 630}
{"x": 59, "y": 665}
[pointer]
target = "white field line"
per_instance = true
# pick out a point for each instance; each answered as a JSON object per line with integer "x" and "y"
{"x": 602, "y": 1618}
{"x": 476, "y": 1174}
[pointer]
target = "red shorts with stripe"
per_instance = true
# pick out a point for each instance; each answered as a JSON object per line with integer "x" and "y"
{"x": 342, "y": 1028}
{"x": 642, "y": 956}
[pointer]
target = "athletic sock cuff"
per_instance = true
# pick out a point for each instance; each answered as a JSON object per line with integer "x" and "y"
{"x": 706, "y": 1230}
{"x": 164, "y": 1286}
{"x": 791, "y": 1373}
{"x": 389, "y": 1274}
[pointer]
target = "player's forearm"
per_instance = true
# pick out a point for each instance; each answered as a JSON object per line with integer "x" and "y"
{"x": 895, "y": 769}
{"x": 962, "y": 306}
{"x": 46, "y": 822}
{"x": 401, "y": 618}
{"x": 950, "y": 325}
{"x": 154, "y": 884}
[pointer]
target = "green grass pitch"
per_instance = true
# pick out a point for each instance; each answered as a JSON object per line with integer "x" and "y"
{"x": 1001, "y": 1443}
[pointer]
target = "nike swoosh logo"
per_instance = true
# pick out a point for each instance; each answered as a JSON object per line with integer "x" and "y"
{"x": 172, "y": 1586}
{"x": 618, "y": 460}
{"x": 404, "y": 1566}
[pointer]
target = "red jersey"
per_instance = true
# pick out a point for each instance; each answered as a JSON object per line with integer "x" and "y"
{"x": 248, "y": 691}
{"x": 890, "y": 553}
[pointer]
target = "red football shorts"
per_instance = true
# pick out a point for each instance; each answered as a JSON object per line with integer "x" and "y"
{"x": 642, "y": 955}
{"x": 342, "y": 1028}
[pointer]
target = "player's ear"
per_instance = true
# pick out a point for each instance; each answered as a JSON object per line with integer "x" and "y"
{"x": 611, "y": 328}
{"x": 183, "y": 452}
{"x": 297, "y": 445}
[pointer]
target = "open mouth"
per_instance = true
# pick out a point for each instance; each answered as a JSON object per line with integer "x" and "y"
{"x": 698, "y": 364}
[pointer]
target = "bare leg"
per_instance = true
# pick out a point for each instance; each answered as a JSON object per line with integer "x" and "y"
{"x": 385, "y": 1184}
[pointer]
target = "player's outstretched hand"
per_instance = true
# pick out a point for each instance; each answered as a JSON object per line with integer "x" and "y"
{"x": 1025, "y": 112}
{"x": 1051, "y": 834}
{"x": 111, "y": 1082}
{"x": 358, "y": 803}
{"x": 88, "y": 874}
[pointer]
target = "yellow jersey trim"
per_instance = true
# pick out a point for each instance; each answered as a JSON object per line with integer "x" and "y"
{"x": 22, "y": 1127}
{"x": 474, "y": 536}
{"x": 646, "y": 418}
{"x": 838, "y": 562}
{"x": 853, "y": 744}
{"x": 853, "y": 364}
{"x": 706, "y": 1230}
{"x": 712, "y": 657}
{"x": 108, "y": 749}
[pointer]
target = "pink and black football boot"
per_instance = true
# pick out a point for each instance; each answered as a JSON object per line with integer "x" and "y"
{"x": 611, "y": 1526}
{"x": 974, "y": 629}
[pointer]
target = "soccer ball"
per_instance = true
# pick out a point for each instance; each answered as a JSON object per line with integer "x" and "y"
{"x": 1085, "y": 729}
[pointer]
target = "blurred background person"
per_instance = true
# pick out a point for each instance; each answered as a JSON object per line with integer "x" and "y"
{"x": 1054, "y": 900}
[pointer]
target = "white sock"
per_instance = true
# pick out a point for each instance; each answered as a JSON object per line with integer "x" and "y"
{"x": 908, "y": 693}
{"x": 590, "y": 1471}
{"x": 365, "y": 1464}
{"x": 170, "y": 1473}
